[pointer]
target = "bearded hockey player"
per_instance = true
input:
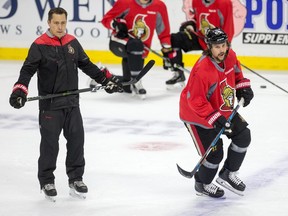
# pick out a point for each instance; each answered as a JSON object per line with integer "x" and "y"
{"x": 205, "y": 105}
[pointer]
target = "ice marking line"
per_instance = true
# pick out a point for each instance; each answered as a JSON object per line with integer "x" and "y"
{"x": 101, "y": 125}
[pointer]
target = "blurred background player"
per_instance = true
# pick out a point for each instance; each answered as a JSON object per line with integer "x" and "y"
{"x": 206, "y": 103}
{"x": 201, "y": 15}
{"x": 133, "y": 23}
{"x": 239, "y": 14}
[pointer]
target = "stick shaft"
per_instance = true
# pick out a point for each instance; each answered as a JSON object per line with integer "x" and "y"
{"x": 264, "y": 78}
{"x": 145, "y": 69}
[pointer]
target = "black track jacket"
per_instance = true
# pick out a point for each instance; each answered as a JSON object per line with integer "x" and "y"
{"x": 56, "y": 62}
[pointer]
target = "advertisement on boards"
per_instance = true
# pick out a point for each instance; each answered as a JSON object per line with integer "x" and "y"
{"x": 261, "y": 26}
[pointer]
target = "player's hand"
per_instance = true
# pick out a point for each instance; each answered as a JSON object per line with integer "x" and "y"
{"x": 222, "y": 122}
{"x": 19, "y": 96}
{"x": 244, "y": 90}
{"x": 112, "y": 83}
{"x": 189, "y": 28}
{"x": 170, "y": 59}
{"x": 120, "y": 27}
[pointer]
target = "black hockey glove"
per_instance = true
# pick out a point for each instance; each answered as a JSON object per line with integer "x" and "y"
{"x": 243, "y": 90}
{"x": 18, "y": 96}
{"x": 120, "y": 27}
{"x": 112, "y": 83}
{"x": 188, "y": 27}
{"x": 222, "y": 122}
{"x": 170, "y": 59}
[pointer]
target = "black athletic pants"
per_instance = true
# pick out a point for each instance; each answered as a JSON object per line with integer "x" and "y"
{"x": 52, "y": 123}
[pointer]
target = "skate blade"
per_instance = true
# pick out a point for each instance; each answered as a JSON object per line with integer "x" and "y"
{"x": 226, "y": 185}
{"x": 73, "y": 193}
{"x": 205, "y": 195}
{"x": 179, "y": 85}
{"x": 50, "y": 198}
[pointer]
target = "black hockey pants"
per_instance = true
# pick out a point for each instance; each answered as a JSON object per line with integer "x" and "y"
{"x": 240, "y": 140}
{"x": 51, "y": 125}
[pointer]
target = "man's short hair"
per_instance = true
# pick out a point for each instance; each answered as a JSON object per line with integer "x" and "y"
{"x": 57, "y": 10}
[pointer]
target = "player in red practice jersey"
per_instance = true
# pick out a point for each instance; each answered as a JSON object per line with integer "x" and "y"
{"x": 205, "y": 14}
{"x": 205, "y": 105}
{"x": 133, "y": 23}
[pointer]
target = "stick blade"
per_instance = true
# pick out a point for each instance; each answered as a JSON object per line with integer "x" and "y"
{"x": 145, "y": 69}
{"x": 185, "y": 173}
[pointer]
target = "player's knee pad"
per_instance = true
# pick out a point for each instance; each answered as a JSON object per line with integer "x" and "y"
{"x": 135, "y": 50}
{"x": 135, "y": 47}
{"x": 242, "y": 139}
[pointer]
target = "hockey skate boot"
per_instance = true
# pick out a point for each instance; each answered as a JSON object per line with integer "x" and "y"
{"x": 230, "y": 181}
{"x": 177, "y": 79}
{"x": 127, "y": 89}
{"x": 78, "y": 189}
{"x": 50, "y": 192}
{"x": 210, "y": 190}
{"x": 138, "y": 89}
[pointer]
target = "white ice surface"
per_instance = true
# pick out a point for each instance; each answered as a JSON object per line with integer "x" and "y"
{"x": 131, "y": 149}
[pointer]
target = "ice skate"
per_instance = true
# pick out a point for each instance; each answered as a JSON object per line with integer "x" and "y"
{"x": 177, "y": 81}
{"x": 230, "y": 181}
{"x": 210, "y": 190}
{"x": 127, "y": 89}
{"x": 78, "y": 189}
{"x": 139, "y": 90}
{"x": 50, "y": 192}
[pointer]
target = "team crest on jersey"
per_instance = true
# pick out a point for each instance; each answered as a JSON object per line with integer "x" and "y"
{"x": 204, "y": 23}
{"x": 140, "y": 29}
{"x": 227, "y": 93}
{"x": 70, "y": 49}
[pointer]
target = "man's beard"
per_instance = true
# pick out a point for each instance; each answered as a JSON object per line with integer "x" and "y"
{"x": 223, "y": 57}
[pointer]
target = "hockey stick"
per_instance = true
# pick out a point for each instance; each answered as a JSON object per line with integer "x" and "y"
{"x": 144, "y": 71}
{"x": 264, "y": 78}
{"x": 200, "y": 162}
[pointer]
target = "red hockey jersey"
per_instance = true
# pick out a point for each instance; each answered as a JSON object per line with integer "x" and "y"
{"x": 142, "y": 20}
{"x": 210, "y": 90}
{"x": 218, "y": 13}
